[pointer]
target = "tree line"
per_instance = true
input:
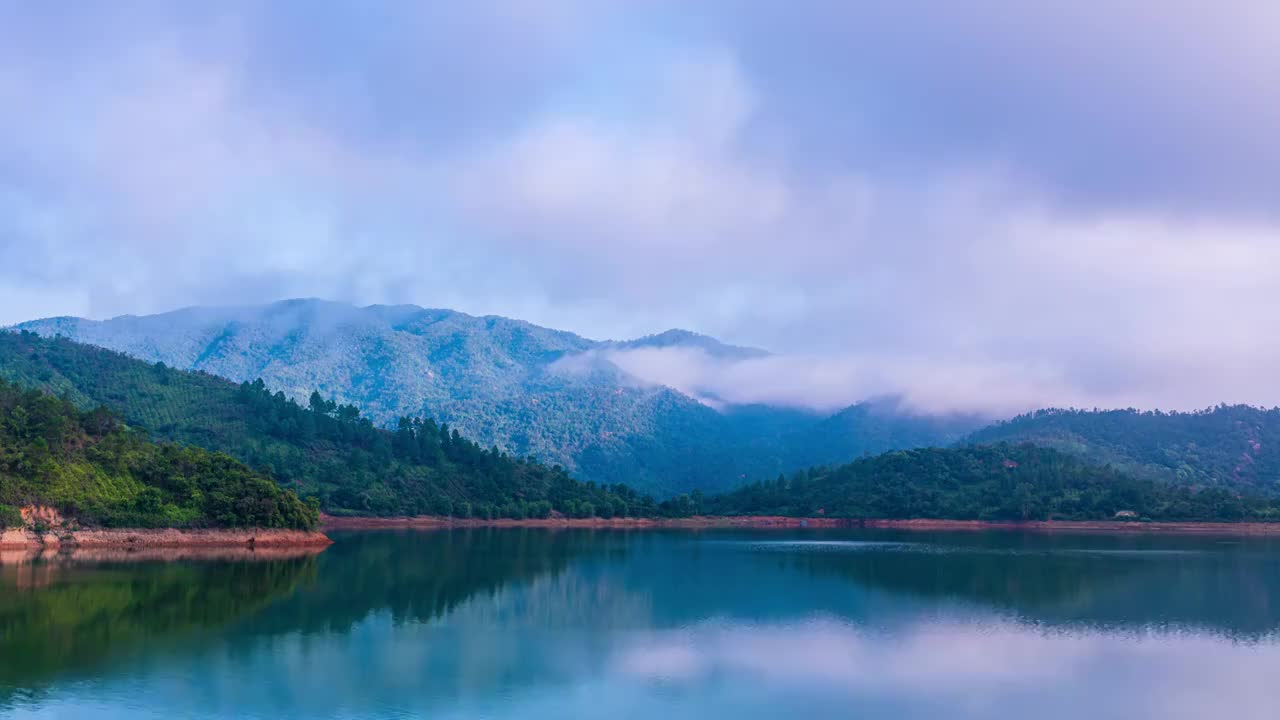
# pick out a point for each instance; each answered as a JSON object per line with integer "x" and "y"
{"x": 98, "y": 472}
{"x": 1001, "y": 481}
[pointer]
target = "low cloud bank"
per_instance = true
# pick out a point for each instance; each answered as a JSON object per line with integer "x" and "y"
{"x": 827, "y": 383}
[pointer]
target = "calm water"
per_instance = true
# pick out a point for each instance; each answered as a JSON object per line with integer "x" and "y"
{"x": 534, "y": 624}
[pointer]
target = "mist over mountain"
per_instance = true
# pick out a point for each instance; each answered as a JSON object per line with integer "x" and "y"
{"x": 591, "y": 406}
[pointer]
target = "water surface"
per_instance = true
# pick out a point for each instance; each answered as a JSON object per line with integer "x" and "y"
{"x": 525, "y": 623}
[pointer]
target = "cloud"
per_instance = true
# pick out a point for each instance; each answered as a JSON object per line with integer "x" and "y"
{"x": 989, "y": 207}
{"x": 1157, "y": 107}
{"x": 965, "y": 291}
{"x": 670, "y": 180}
{"x": 830, "y": 382}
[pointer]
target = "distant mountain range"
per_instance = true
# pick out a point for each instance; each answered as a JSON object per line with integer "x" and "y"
{"x": 562, "y": 399}
{"x": 528, "y": 390}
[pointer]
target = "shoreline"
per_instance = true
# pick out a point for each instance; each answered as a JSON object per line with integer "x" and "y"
{"x": 70, "y": 555}
{"x": 434, "y": 522}
{"x": 240, "y": 539}
{"x": 128, "y": 539}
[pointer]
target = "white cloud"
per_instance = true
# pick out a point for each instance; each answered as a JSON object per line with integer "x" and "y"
{"x": 607, "y": 178}
{"x": 831, "y": 382}
{"x": 965, "y": 293}
{"x": 672, "y": 180}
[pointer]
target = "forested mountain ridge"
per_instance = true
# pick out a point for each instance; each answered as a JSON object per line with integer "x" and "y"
{"x": 987, "y": 482}
{"x": 501, "y": 382}
{"x": 1235, "y": 446}
{"x": 96, "y": 471}
{"x": 528, "y": 390}
{"x": 332, "y": 453}
{"x": 323, "y": 450}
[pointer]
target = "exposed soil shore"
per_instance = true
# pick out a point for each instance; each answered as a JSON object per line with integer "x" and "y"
{"x": 329, "y": 522}
{"x": 72, "y": 555}
{"x": 161, "y": 538}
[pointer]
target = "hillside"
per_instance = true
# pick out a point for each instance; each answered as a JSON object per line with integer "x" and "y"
{"x": 324, "y": 450}
{"x": 65, "y": 453}
{"x": 528, "y": 390}
{"x": 97, "y": 472}
{"x": 877, "y": 426}
{"x": 988, "y": 482}
{"x": 1237, "y": 446}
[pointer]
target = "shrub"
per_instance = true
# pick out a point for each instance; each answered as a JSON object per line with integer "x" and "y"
{"x": 10, "y": 517}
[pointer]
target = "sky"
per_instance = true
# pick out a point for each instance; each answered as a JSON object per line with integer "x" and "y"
{"x": 984, "y": 205}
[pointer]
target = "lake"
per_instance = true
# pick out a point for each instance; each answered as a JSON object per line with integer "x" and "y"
{"x": 525, "y": 623}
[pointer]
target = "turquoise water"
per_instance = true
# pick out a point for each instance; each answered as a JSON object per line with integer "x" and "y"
{"x": 670, "y": 625}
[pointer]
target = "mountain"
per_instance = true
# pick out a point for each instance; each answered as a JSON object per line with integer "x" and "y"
{"x": 528, "y": 390}
{"x": 73, "y": 453}
{"x": 1236, "y": 446}
{"x": 691, "y": 340}
{"x": 323, "y": 450}
{"x": 987, "y": 482}
{"x": 878, "y": 425}
{"x": 96, "y": 471}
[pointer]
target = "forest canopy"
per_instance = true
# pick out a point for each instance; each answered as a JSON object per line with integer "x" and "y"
{"x": 322, "y": 450}
{"x": 338, "y": 459}
{"x": 990, "y": 482}
{"x": 98, "y": 472}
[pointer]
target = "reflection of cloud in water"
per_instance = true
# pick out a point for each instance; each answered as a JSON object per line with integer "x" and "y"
{"x": 970, "y": 670}
{"x": 524, "y": 625}
{"x": 827, "y": 652}
{"x": 820, "y": 668}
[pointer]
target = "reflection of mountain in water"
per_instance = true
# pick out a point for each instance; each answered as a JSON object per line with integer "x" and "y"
{"x": 1107, "y": 583}
{"x": 64, "y": 614}
{"x": 429, "y": 622}
{"x": 580, "y": 580}
{"x": 67, "y": 617}
{"x": 419, "y": 576}
{"x": 429, "y": 615}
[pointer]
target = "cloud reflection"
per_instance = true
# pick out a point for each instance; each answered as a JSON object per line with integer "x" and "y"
{"x": 970, "y": 669}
